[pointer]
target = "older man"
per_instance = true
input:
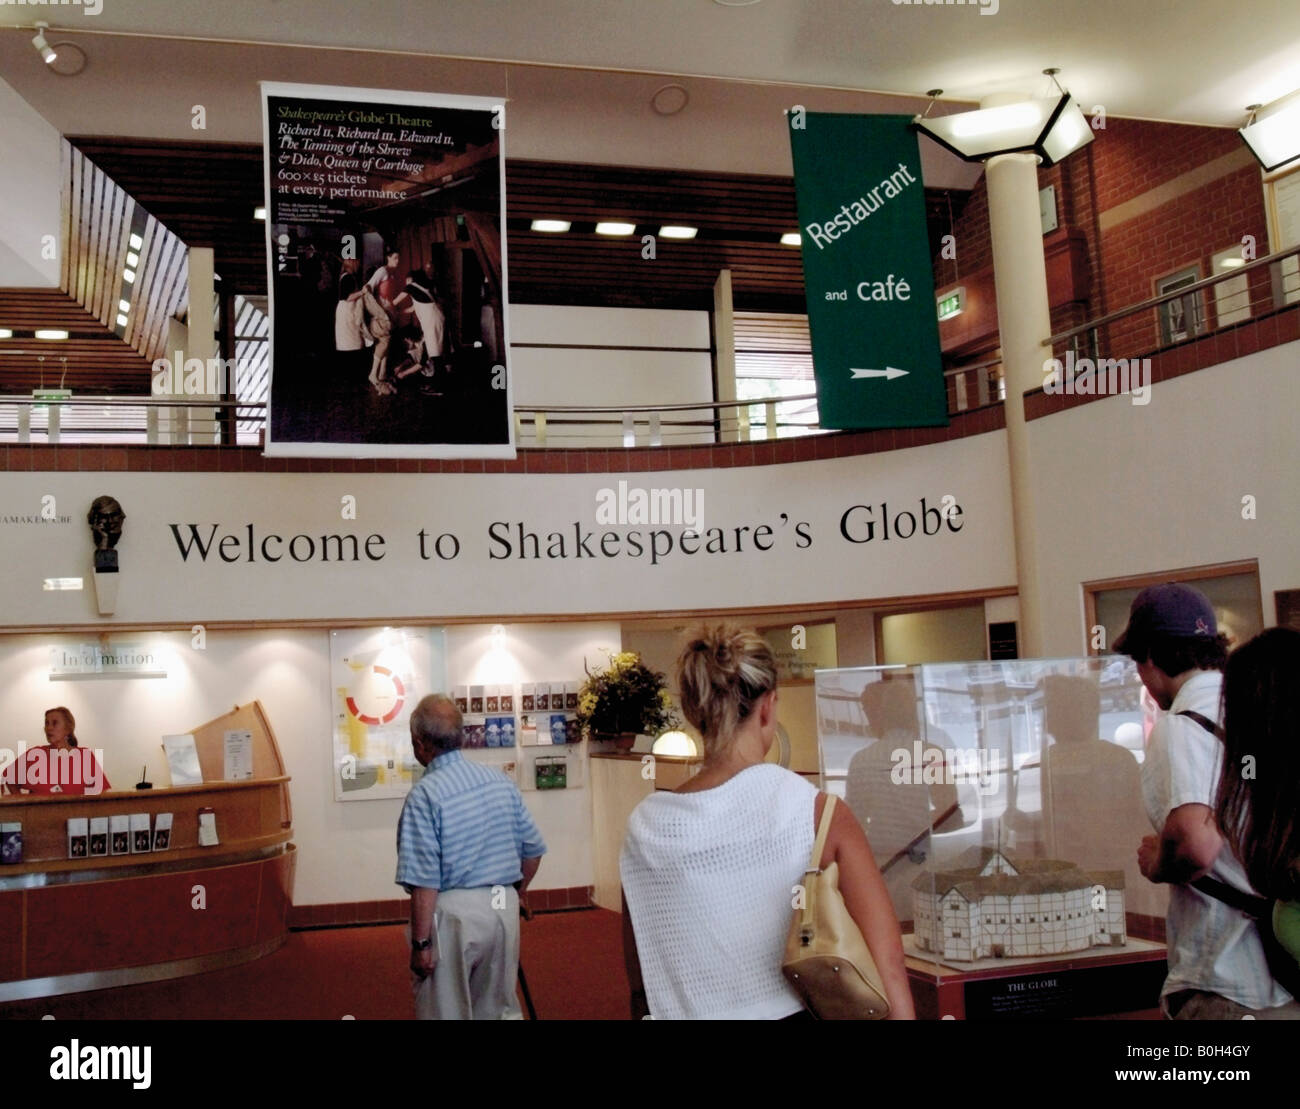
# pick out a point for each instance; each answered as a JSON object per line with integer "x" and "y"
{"x": 463, "y": 840}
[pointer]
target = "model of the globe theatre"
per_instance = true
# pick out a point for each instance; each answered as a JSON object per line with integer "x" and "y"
{"x": 998, "y": 906}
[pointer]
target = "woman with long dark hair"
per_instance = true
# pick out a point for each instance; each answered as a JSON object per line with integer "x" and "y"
{"x": 1258, "y": 802}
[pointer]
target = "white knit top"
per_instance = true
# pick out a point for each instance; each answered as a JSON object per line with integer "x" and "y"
{"x": 709, "y": 879}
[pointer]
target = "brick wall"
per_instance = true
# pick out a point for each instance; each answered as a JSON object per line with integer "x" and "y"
{"x": 1128, "y": 159}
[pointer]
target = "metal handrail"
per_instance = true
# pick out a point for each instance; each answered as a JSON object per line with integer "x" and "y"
{"x": 713, "y": 405}
{"x": 1177, "y": 294}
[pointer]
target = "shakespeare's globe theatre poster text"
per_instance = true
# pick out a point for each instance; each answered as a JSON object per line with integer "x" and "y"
{"x": 387, "y": 274}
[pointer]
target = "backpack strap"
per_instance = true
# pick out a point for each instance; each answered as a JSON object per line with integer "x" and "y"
{"x": 1205, "y": 722}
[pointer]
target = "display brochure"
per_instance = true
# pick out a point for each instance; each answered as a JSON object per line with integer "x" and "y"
{"x": 11, "y": 843}
{"x": 119, "y": 834}
{"x": 208, "y": 828}
{"x": 98, "y": 836}
{"x": 162, "y": 831}
{"x": 239, "y": 755}
{"x": 182, "y": 760}
{"x": 141, "y": 841}
{"x": 78, "y": 833}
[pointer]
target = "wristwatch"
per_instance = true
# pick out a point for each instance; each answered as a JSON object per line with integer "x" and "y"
{"x": 422, "y": 945}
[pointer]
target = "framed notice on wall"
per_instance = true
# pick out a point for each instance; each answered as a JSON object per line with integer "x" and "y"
{"x": 387, "y": 274}
{"x": 378, "y": 676}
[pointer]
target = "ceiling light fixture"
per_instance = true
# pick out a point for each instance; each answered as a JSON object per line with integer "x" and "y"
{"x": 792, "y": 238}
{"x": 614, "y": 227}
{"x": 1052, "y": 128}
{"x": 678, "y": 231}
{"x": 132, "y": 259}
{"x": 128, "y": 276}
{"x": 6, "y": 333}
{"x": 1273, "y": 132}
{"x": 51, "y": 333}
{"x": 43, "y": 48}
{"x": 136, "y": 242}
{"x": 259, "y": 213}
{"x": 551, "y": 226}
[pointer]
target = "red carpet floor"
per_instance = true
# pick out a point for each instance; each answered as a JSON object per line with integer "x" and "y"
{"x": 573, "y": 962}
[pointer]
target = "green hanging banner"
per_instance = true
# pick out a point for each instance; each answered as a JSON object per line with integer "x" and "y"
{"x": 867, "y": 271}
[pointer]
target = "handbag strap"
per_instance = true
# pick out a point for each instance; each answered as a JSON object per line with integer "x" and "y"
{"x": 823, "y": 829}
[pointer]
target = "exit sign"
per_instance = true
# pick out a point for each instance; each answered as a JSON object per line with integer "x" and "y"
{"x": 951, "y": 304}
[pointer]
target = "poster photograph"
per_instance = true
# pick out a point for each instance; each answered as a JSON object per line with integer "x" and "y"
{"x": 386, "y": 274}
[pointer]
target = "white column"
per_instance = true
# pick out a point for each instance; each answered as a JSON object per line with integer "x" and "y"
{"x": 1024, "y": 321}
{"x": 201, "y": 337}
{"x": 724, "y": 342}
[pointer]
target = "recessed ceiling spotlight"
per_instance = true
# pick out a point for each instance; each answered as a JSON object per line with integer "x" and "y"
{"x": 259, "y": 212}
{"x": 6, "y": 333}
{"x": 128, "y": 276}
{"x": 792, "y": 238}
{"x": 51, "y": 333}
{"x": 554, "y": 226}
{"x": 136, "y": 241}
{"x": 677, "y": 231}
{"x": 670, "y": 99}
{"x": 614, "y": 227}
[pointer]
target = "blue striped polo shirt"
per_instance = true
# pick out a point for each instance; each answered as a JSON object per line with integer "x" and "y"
{"x": 464, "y": 826}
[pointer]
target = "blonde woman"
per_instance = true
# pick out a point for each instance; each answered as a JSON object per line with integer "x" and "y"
{"x": 709, "y": 870}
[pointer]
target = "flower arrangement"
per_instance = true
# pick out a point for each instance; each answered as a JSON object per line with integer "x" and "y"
{"x": 626, "y": 696}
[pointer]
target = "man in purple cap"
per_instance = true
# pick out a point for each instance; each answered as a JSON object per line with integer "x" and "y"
{"x": 1217, "y": 968}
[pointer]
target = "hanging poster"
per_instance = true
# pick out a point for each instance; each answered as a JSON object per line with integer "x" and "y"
{"x": 868, "y": 277}
{"x": 387, "y": 274}
{"x": 378, "y": 676}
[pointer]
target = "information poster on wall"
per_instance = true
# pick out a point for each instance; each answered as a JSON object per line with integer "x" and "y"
{"x": 387, "y": 274}
{"x": 378, "y": 676}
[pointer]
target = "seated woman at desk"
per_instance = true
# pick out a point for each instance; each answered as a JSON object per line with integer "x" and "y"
{"x": 61, "y": 766}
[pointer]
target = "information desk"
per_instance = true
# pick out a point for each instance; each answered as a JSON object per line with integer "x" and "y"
{"x": 77, "y": 924}
{"x": 71, "y": 924}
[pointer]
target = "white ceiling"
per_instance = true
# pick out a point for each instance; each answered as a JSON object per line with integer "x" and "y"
{"x": 1190, "y": 61}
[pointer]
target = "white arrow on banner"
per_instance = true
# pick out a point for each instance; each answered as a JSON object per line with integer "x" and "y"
{"x": 888, "y": 373}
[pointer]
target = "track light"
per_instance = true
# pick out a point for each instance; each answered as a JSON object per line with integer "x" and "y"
{"x": 46, "y": 51}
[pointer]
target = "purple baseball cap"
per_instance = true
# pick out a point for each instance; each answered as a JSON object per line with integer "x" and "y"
{"x": 1173, "y": 610}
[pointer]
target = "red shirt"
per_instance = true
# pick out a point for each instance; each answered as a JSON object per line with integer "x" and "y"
{"x": 42, "y": 770}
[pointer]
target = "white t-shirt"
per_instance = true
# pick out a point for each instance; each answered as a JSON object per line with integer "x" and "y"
{"x": 709, "y": 879}
{"x": 1212, "y": 946}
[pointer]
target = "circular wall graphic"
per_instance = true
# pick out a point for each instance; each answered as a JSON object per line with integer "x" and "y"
{"x": 380, "y": 698}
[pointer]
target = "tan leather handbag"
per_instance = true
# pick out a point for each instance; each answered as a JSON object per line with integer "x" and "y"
{"x": 826, "y": 959}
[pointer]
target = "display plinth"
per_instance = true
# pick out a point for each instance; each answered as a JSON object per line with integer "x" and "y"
{"x": 1091, "y": 984}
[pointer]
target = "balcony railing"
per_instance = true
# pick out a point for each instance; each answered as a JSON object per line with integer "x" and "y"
{"x": 1253, "y": 290}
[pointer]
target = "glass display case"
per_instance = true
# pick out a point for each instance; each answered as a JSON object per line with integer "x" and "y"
{"x": 1002, "y": 801}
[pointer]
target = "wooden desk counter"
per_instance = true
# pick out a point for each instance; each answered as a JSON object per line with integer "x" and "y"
{"x": 92, "y": 923}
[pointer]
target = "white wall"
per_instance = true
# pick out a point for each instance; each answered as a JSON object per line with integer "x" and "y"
{"x": 809, "y": 559}
{"x": 30, "y": 186}
{"x": 346, "y": 850}
{"x": 1130, "y": 489}
{"x": 566, "y": 371}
